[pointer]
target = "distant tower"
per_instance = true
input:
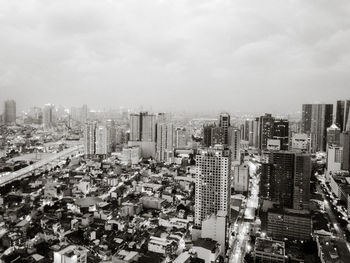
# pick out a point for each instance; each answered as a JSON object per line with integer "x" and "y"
{"x": 165, "y": 136}
{"x": 266, "y": 124}
{"x": 49, "y": 117}
{"x": 90, "y": 138}
{"x": 9, "y": 112}
{"x": 342, "y": 114}
{"x": 102, "y": 147}
{"x": 224, "y": 123}
{"x": 333, "y": 135}
{"x": 142, "y": 127}
{"x": 234, "y": 144}
{"x": 281, "y": 133}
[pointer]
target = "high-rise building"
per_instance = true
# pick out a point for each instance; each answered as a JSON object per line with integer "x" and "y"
{"x": 90, "y": 138}
{"x": 143, "y": 127}
{"x": 49, "y": 117}
{"x": 213, "y": 182}
{"x": 345, "y": 143}
{"x": 334, "y": 160}
{"x": 266, "y": 125}
{"x": 342, "y": 114}
{"x": 286, "y": 179}
{"x": 306, "y": 118}
{"x": 333, "y": 135}
{"x": 165, "y": 135}
{"x": 251, "y": 132}
{"x": 301, "y": 142}
{"x": 207, "y": 134}
{"x": 241, "y": 178}
{"x": 316, "y": 118}
{"x": 102, "y": 147}
{"x": 9, "y": 112}
{"x": 217, "y": 135}
{"x": 181, "y": 137}
{"x": 281, "y": 133}
{"x": 224, "y": 123}
{"x": 234, "y": 144}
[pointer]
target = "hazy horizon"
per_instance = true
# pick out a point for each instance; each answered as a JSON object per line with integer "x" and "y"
{"x": 196, "y": 55}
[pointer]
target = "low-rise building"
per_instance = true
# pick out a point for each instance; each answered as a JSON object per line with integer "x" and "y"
{"x": 271, "y": 251}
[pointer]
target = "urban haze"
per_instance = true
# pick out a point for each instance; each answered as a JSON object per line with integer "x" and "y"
{"x": 187, "y": 131}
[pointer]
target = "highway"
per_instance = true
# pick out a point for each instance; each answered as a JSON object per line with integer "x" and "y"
{"x": 26, "y": 171}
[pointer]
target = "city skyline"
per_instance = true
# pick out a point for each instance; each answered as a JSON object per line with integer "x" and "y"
{"x": 166, "y": 55}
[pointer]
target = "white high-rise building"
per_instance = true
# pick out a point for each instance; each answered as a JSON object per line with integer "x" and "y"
{"x": 241, "y": 178}
{"x": 213, "y": 182}
{"x": 165, "y": 135}
{"x": 90, "y": 138}
{"x": 49, "y": 117}
{"x": 334, "y": 160}
{"x": 102, "y": 147}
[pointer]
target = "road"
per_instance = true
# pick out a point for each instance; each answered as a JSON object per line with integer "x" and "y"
{"x": 240, "y": 243}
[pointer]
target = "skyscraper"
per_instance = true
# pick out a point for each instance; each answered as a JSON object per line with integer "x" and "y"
{"x": 102, "y": 147}
{"x": 9, "y": 112}
{"x": 342, "y": 114}
{"x": 142, "y": 127}
{"x": 286, "y": 179}
{"x": 322, "y": 118}
{"x": 165, "y": 136}
{"x": 234, "y": 144}
{"x": 90, "y": 138}
{"x": 207, "y": 134}
{"x": 213, "y": 182}
{"x": 49, "y": 117}
{"x": 281, "y": 133}
{"x": 266, "y": 124}
{"x": 181, "y": 137}
{"x": 224, "y": 123}
{"x": 306, "y": 118}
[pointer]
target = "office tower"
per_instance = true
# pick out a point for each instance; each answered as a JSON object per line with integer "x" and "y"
{"x": 286, "y": 179}
{"x": 234, "y": 144}
{"x": 218, "y": 136}
{"x": 266, "y": 124}
{"x": 207, "y": 134}
{"x": 322, "y": 118}
{"x": 135, "y": 127}
{"x": 251, "y": 133}
{"x": 84, "y": 113}
{"x": 101, "y": 140}
{"x": 165, "y": 135}
{"x": 256, "y": 133}
{"x": 345, "y": 143}
{"x": 213, "y": 182}
{"x": 333, "y": 135}
{"x": 246, "y": 130}
{"x": 224, "y": 123}
{"x": 301, "y": 182}
{"x": 9, "y": 112}
{"x": 306, "y": 118}
{"x": 90, "y": 138}
{"x": 111, "y": 135}
{"x": 281, "y": 133}
{"x": 181, "y": 137}
{"x": 143, "y": 127}
{"x": 342, "y": 114}
{"x": 49, "y": 117}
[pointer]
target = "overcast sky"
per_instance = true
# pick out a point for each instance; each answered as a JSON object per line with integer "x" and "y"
{"x": 175, "y": 55}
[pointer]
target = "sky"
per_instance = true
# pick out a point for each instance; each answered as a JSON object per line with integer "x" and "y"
{"x": 199, "y": 55}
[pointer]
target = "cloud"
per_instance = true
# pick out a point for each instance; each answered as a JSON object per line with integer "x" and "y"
{"x": 154, "y": 52}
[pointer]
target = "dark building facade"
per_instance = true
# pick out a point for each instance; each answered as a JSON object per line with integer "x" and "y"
{"x": 286, "y": 179}
{"x": 266, "y": 124}
{"x": 342, "y": 114}
{"x": 281, "y": 133}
